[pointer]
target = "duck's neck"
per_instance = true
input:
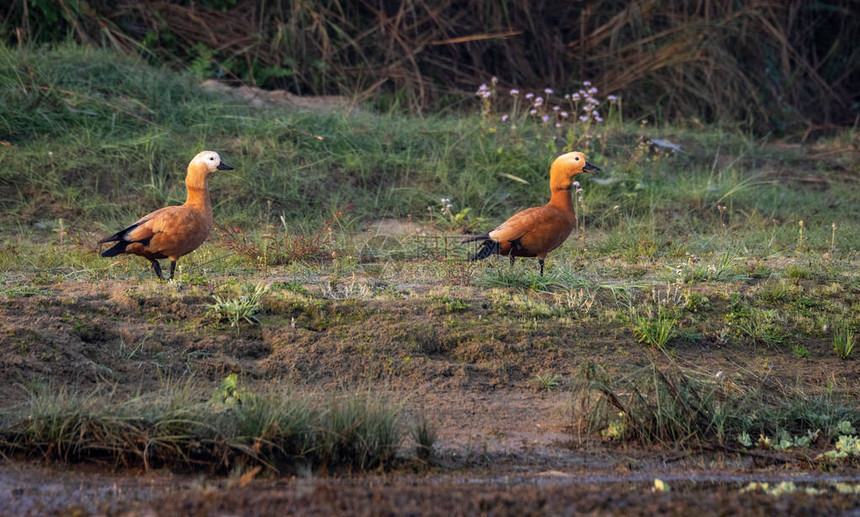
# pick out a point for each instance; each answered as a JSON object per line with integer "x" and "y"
{"x": 198, "y": 193}
{"x": 561, "y": 198}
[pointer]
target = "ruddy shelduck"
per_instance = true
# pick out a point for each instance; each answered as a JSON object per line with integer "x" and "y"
{"x": 173, "y": 231}
{"x": 536, "y": 231}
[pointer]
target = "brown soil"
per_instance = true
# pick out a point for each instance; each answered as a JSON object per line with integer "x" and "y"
{"x": 504, "y": 445}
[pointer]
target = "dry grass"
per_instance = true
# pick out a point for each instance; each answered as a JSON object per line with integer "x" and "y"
{"x": 773, "y": 65}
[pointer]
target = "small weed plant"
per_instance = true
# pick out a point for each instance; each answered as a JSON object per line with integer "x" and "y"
{"x": 239, "y": 309}
{"x": 547, "y": 381}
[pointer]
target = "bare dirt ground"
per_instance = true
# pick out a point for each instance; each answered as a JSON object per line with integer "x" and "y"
{"x": 505, "y": 446}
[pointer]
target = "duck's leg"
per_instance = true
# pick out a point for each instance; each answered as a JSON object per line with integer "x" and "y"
{"x": 540, "y": 261}
{"x": 512, "y": 260}
{"x": 172, "y": 267}
{"x": 157, "y": 268}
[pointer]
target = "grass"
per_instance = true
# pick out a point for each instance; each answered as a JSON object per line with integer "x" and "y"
{"x": 679, "y": 407}
{"x": 408, "y": 63}
{"x": 655, "y": 331}
{"x": 705, "y": 241}
{"x": 243, "y": 308}
{"x": 383, "y": 165}
{"x": 843, "y": 342}
{"x": 173, "y": 427}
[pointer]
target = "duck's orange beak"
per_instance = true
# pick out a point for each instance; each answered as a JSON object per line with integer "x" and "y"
{"x": 590, "y": 167}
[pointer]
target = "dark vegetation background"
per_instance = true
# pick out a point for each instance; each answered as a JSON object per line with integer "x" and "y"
{"x": 786, "y": 67}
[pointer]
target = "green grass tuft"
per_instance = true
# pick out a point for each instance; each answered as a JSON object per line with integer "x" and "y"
{"x": 174, "y": 427}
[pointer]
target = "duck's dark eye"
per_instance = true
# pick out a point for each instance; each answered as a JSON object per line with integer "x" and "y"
{"x": 577, "y": 158}
{"x": 212, "y": 158}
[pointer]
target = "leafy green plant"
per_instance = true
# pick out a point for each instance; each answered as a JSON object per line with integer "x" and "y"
{"x": 453, "y": 305}
{"x": 847, "y": 445}
{"x": 845, "y": 427}
{"x": 228, "y": 391}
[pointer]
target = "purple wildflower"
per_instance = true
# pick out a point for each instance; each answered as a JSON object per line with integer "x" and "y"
{"x": 545, "y": 118}
{"x": 504, "y": 118}
{"x": 586, "y": 83}
{"x": 548, "y": 91}
{"x": 515, "y": 92}
{"x": 529, "y": 95}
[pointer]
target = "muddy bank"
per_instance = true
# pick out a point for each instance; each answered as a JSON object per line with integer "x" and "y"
{"x": 31, "y": 490}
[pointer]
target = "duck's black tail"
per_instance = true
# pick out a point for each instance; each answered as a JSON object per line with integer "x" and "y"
{"x": 119, "y": 238}
{"x": 116, "y": 249}
{"x": 488, "y": 247}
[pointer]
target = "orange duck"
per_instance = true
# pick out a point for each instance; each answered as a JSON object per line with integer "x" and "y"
{"x": 173, "y": 231}
{"x": 536, "y": 231}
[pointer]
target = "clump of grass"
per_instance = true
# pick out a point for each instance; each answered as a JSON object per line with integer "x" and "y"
{"x": 177, "y": 428}
{"x": 843, "y": 342}
{"x": 677, "y": 407}
{"x": 697, "y": 271}
{"x": 655, "y": 331}
{"x": 358, "y": 430}
{"x": 236, "y": 310}
{"x": 425, "y": 434}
